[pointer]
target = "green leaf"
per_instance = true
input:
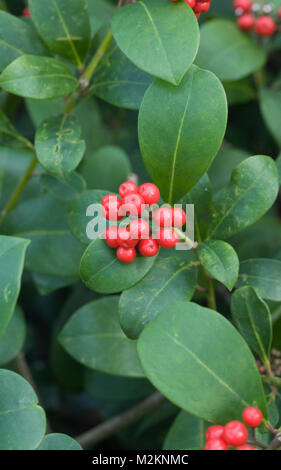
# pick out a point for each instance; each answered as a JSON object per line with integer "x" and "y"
{"x": 8, "y": 132}
{"x": 12, "y": 340}
{"x": 17, "y": 37}
{"x": 253, "y": 319}
{"x": 264, "y": 275}
{"x": 102, "y": 272}
{"x": 58, "y": 145}
{"x": 22, "y": 421}
{"x": 278, "y": 164}
{"x": 270, "y": 104}
{"x": 64, "y": 189}
{"x": 106, "y": 168}
{"x": 251, "y": 191}
{"x": 169, "y": 279}
{"x": 100, "y": 12}
{"x": 228, "y": 52}
{"x": 220, "y": 260}
{"x": 12, "y": 253}
{"x": 64, "y": 26}
{"x": 225, "y": 162}
{"x": 118, "y": 81}
{"x": 94, "y": 338}
{"x": 160, "y": 38}
{"x": 186, "y": 432}
{"x": 193, "y": 126}
{"x": 212, "y": 371}
{"x": 111, "y": 388}
{"x": 38, "y": 77}
{"x": 57, "y": 441}
{"x": 79, "y": 215}
{"x": 239, "y": 92}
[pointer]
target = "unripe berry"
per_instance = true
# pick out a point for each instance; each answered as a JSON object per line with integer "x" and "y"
{"x": 132, "y": 204}
{"x": 246, "y": 22}
{"x": 265, "y": 26}
{"x": 245, "y": 447}
{"x": 163, "y": 217}
{"x": 167, "y": 237}
{"x": 111, "y": 236}
{"x": 129, "y": 187}
{"x": 178, "y": 217}
{"x": 125, "y": 239}
{"x": 214, "y": 432}
{"x": 111, "y": 207}
{"x": 252, "y": 416}
{"x": 235, "y": 433}
{"x": 148, "y": 247}
{"x": 150, "y": 193}
{"x": 215, "y": 444}
{"x": 126, "y": 255}
{"x": 139, "y": 229}
{"x": 244, "y": 5}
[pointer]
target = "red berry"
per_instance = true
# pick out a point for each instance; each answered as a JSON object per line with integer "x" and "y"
{"x": 167, "y": 237}
{"x": 252, "y": 416}
{"x": 246, "y": 22}
{"x": 179, "y": 217}
{"x": 245, "y": 447}
{"x": 150, "y": 193}
{"x": 244, "y": 5}
{"x": 125, "y": 239}
{"x": 214, "y": 432}
{"x": 191, "y": 3}
{"x": 148, "y": 247}
{"x": 139, "y": 229}
{"x": 265, "y": 26}
{"x": 111, "y": 207}
{"x": 26, "y": 12}
{"x": 279, "y": 12}
{"x": 111, "y": 236}
{"x": 235, "y": 433}
{"x": 215, "y": 444}
{"x": 126, "y": 255}
{"x": 133, "y": 204}
{"x": 129, "y": 187}
{"x": 201, "y": 7}
{"x": 163, "y": 217}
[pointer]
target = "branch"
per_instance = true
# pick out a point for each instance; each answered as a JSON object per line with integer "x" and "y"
{"x": 272, "y": 381}
{"x": 275, "y": 443}
{"x": 110, "y": 427}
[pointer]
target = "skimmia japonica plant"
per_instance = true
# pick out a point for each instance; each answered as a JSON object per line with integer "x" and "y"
{"x": 140, "y": 246}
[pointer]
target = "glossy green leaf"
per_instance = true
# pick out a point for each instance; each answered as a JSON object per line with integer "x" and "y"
{"x": 264, "y": 275}
{"x": 239, "y": 91}
{"x": 228, "y": 52}
{"x": 213, "y": 372}
{"x": 36, "y": 77}
{"x": 170, "y": 279}
{"x": 270, "y": 103}
{"x": 17, "y": 37}
{"x": 100, "y": 12}
{"x": 106, "y": 168}
{"x": 253, "y": 319}
{"x": 118, "y": 81}
{"x": 64, "y": 26}
{"x": 193, "y": 126}
{"x": 186, "y": 433}
{"x": 58, "y": 145}
{"x": 81, "y": 219}
{"x": 278, "y": 164}
{"x": 13, "y": 338}
{"x": 250, "y": 193}
{"x": 225, "y": 162}
{"x": 64, "y": 189}
{"x": 150, "y": 31}
{"x": 57, "y": 441}
{"x": 220, "y": 260}
{"x": 102, "y": 272}
{"x": 12, "y": 253}
{"x": 22, "y": 421}
{"x": 94, "y": 338}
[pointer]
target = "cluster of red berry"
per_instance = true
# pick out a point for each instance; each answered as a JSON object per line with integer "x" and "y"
{"x": 198, "y": 6}
{"x": 133, "y": 201}
{"x": 253, "y": 16}
{"x": 234, "y": 433}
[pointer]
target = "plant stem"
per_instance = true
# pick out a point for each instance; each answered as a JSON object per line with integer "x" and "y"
{"x": 276, "y": 315}
{"x": 191, "y": 244}
{"x": 19, "y": 189}
{"x": 97, "y": 57}
{"x": 276, "y": 443}
{"x": 272, "y": 381}
{"x": 110, "y": 427}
